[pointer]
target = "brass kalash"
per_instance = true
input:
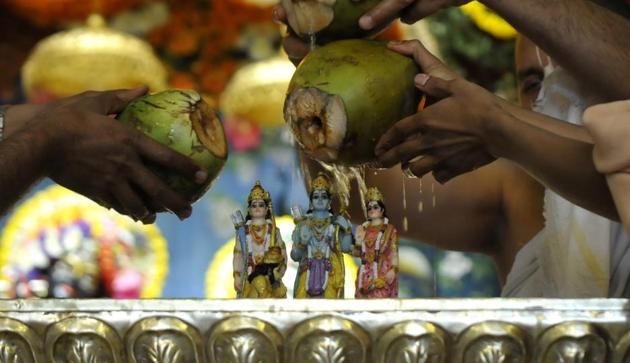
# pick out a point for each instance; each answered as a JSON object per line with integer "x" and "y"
{"x": 335, "y": 331}
{"x": 91, "y": 57}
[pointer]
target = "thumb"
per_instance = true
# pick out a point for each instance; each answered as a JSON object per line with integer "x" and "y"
{"x": 434, "y": 87}
{"x": 428, "y": 63}
{"x": 113, "y": 102}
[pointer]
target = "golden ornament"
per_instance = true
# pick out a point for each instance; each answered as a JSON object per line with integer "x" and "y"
{"x": 258, "y": 193}
{"x": 373, "y": 194}
{"x": 92, "y": 57}
{"x": 257, "y": 91}
{"x": 321, "y": 182}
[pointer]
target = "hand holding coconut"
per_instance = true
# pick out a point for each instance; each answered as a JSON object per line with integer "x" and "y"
{"x": 74, "y": 142}
{"x": 451, "y": 136}
{"x": 409, "y": 11}
{"x": 313, "y": 22}
{"x": 345, "y": 95}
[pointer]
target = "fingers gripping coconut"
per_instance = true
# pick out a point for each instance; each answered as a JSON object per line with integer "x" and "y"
{"x": 345, "y": 95}
{"x": 328, "y": 20}
{"x": 181, "y": 120}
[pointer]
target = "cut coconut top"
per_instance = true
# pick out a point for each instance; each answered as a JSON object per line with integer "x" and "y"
{"x": 209, "y": 130}
{"x": 307, "y": 17}
{"x": 318, "y": 121}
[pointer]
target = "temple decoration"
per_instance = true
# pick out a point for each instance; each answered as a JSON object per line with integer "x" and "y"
{"x": 256, "y": 92}
{"x": 91, "y": 57}
{"x": 61, "y": 244}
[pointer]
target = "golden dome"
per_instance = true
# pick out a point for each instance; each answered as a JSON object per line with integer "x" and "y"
{"x": 257, "y": 92}
{"x": 91, "y": 57}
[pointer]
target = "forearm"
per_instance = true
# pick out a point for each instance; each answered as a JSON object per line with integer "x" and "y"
{"x": 587, "y": 39}
{"x": 23, "y": 161}
{"x": 18, "y": 116}
{"x": 541, "y": 121}
{"x": 561, "y": 164}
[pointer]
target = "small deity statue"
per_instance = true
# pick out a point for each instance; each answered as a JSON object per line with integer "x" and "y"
{"x": 260, "y": 257}
{"x": 319, "y": 240}
{"x": 377, "y": 246}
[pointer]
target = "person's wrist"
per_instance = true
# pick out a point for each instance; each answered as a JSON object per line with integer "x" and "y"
{"x": 48, "y": 141}
{"x": 3, "y": 121}
{"x": 495, "y": 131}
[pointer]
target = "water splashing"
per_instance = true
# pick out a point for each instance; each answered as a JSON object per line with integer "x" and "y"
{"x": 312, "y": 37}
{"x": 342, "y": 177}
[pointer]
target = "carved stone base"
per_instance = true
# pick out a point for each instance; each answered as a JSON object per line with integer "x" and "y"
{"x": 316, "y": 331}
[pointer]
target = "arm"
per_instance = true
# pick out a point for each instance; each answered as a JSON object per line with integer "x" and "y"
{"x": 20, "y": 115}
{"x": 93, "y": 155}
{"x": 585, "y": 38}
{"x": 468, "y": 126}
{"x": 24, "y": 159}
{"x": 562, "y": 164}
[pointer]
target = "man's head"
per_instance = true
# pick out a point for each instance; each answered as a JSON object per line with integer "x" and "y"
{"x": 530, "y": 63}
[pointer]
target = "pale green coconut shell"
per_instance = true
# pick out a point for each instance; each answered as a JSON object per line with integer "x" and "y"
{"x": 374, "y": 85}
{"x": 181, "y": 120}
{"x": 343, "y": 25}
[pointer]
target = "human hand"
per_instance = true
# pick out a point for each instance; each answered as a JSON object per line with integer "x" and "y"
{"x": 295, "y": 47}
{"x": 449, "y": 136}
{"x": 237, "y": 284}
{"x": 106, "y": 160}
{"x": 409, "y": 11}
{"x": 609, "y": 125}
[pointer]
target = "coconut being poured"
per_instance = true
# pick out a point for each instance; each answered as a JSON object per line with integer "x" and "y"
{"x": 328, "y": 20}
{"x": 345, "y": 95}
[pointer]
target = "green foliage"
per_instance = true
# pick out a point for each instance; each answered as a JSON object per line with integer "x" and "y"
{"x": 475, "y": 54}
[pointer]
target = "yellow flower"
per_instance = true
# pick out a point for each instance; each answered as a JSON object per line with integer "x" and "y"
{"x": 488, "y": 21}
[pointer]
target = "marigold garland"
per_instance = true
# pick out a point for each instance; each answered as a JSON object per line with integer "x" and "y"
{"x": 488, "y": 21}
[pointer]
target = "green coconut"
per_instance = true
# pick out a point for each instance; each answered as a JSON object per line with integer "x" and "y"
{"x": 183, "y": 121}
{"x": 328, "y": 20}
{"x": 345, "y": 95}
